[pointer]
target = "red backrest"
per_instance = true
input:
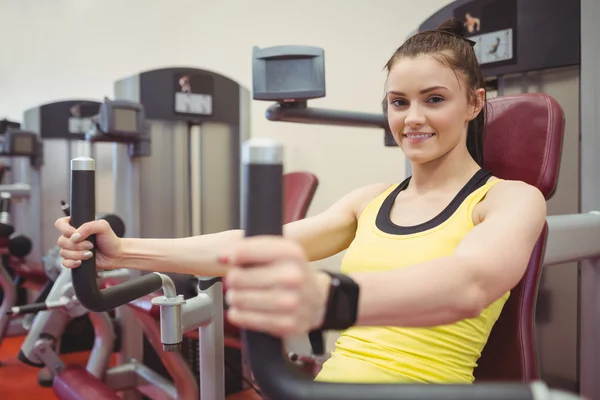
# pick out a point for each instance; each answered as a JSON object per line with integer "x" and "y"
{"x": 299, "y": 191}
{"x": 524, "y": 135}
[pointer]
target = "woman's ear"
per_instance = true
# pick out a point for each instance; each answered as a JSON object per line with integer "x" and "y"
{"x": 478, "y": 103}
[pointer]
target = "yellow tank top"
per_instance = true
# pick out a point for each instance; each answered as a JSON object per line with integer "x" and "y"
{"x": 442, "y": 354}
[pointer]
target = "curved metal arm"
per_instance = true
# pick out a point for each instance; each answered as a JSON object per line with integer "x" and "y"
{"x": 276, "y": 376}
{"x": 301, "y": 113}
{"x": 83, "y": 209}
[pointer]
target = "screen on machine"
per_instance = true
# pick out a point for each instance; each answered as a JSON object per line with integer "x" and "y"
{"x": 22, "y": 144}
{"x": 279, "y": 72}
{"x": 125, "y": 120}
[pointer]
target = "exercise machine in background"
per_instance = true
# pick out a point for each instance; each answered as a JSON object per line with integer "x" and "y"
{"x": 14, "y": 273}
{"x": 121, "y": 122}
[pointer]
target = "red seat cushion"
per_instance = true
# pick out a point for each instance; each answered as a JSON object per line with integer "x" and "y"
{"x": 76, "y": 383}
{"x": 32, "y": 274}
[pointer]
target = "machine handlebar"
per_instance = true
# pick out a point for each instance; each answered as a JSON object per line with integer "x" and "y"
{"x": 83, "y": 209}
{"x": 278, "y": 377}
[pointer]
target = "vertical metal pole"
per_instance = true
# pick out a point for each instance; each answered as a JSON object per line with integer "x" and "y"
{"x": 127, "y": 205}
{"x": 212, "y": 344}
{"x": 195, "y": 183}
{"x": 589, "y": 334}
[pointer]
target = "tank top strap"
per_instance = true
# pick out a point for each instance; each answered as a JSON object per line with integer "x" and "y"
{"x": 479, "y": 192}
{"x": 378, "y": 210}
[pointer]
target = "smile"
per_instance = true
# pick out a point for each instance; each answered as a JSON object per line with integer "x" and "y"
{"x": 417, "y": 137}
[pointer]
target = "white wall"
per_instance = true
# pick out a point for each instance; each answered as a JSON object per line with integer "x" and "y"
{"x": 59, "y": 49}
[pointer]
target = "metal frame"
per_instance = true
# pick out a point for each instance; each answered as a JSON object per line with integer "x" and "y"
{"x": 589, "y": 325}
{"x": 9, "y": 325}
{"x": 132, "y": 376}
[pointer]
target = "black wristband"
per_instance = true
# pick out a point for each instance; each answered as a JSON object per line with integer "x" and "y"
{"x": 341, "y": 310}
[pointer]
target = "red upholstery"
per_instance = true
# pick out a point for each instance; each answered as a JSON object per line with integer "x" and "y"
{"x": 75, "y": 383}
{"x": 523, "y": 142}
{"x": 30, "y": 274}
{"x": 524, "y": 136}
{"x": 300, "y": 188}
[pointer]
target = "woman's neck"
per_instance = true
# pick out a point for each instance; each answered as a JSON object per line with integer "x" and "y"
{"x": 449, "y": 171}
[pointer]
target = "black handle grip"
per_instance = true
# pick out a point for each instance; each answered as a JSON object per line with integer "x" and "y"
{"x": 83, "y": 209}
{"x": 5, "y": 201}
{"x": 277, "y": 377}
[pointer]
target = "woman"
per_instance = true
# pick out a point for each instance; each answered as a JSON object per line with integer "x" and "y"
{"x": 430, "y": 261}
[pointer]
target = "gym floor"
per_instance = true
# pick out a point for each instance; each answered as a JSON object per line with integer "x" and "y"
{"x": 19, "y": 381}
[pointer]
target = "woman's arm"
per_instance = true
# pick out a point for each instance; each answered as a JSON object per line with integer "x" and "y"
{"x": 489, "y": 261}
{"x": 320, "y": 236}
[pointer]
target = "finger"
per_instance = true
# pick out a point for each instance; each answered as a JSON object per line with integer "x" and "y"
{"x": 274, "y": 324}
{"x": 263, "y": 249}
{"x": 75, "y": 255}
{"x": 71, "y": 263}
{"x": 64, "y": 226}
{"x": 281, "y": 274}
{"x": 90, "y": 228}
{"x": 66, "y": 243}
{"x": 268, "y": 301}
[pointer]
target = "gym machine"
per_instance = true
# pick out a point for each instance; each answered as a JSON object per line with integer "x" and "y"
{"x": 14, "y": 247}
{"x": 276, "y": 376}
{"x": 16, "y": 317}
{"x": 272, "y": 81}
{"x": 119, "y": 122}
{"x": 61, "y": 127}
{"x": 197, "y": 120}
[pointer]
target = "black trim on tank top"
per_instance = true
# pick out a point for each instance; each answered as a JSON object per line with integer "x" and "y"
{"x": 385, "y": 224}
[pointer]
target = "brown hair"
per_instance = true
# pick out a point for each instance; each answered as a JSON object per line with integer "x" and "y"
{"x": 448, "y": 45}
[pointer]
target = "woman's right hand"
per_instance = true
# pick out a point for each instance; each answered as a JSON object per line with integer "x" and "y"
{"x": 74, "y": 247}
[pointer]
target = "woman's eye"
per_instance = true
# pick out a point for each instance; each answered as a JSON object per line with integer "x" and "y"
{"x": 398, "y": 103}
{"x": 436, "y": 99}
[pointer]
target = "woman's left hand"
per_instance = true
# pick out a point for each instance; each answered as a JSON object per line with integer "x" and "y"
{"x": 271, "y": 287}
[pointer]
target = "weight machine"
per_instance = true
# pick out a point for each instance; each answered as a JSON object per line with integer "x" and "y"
{"x": 120, "y": 122}
{"x": 276, "y": 376}
{"x": 13, "y": 271}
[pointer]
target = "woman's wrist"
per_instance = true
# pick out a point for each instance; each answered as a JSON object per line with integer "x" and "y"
{"x": 323, "y": 287}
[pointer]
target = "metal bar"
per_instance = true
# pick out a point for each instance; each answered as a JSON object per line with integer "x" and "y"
{"x": 589, "y": 332}
{"x": 572, "y": 237}
{"x": 127, "y": 202}
{"x": 154, "y": 385}
{"x": 185, "y": 383}
{"x": 196, "y": 312}
{"x": 589, "y": 317}
{"x": 104, "y": 340}
{"x": 212, "y": 353}
{"x": 323, "y": 116}
{"x": 17, "y": 190}
{"x": 10, "y": 299}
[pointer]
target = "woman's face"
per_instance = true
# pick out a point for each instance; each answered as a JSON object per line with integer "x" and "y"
{"x": 429, "y": 108}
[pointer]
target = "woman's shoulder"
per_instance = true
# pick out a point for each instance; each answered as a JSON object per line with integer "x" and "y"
{"x": 513, "y": 189}
{"x": 505, "y": 194}
{"x": 364, "y": 195}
